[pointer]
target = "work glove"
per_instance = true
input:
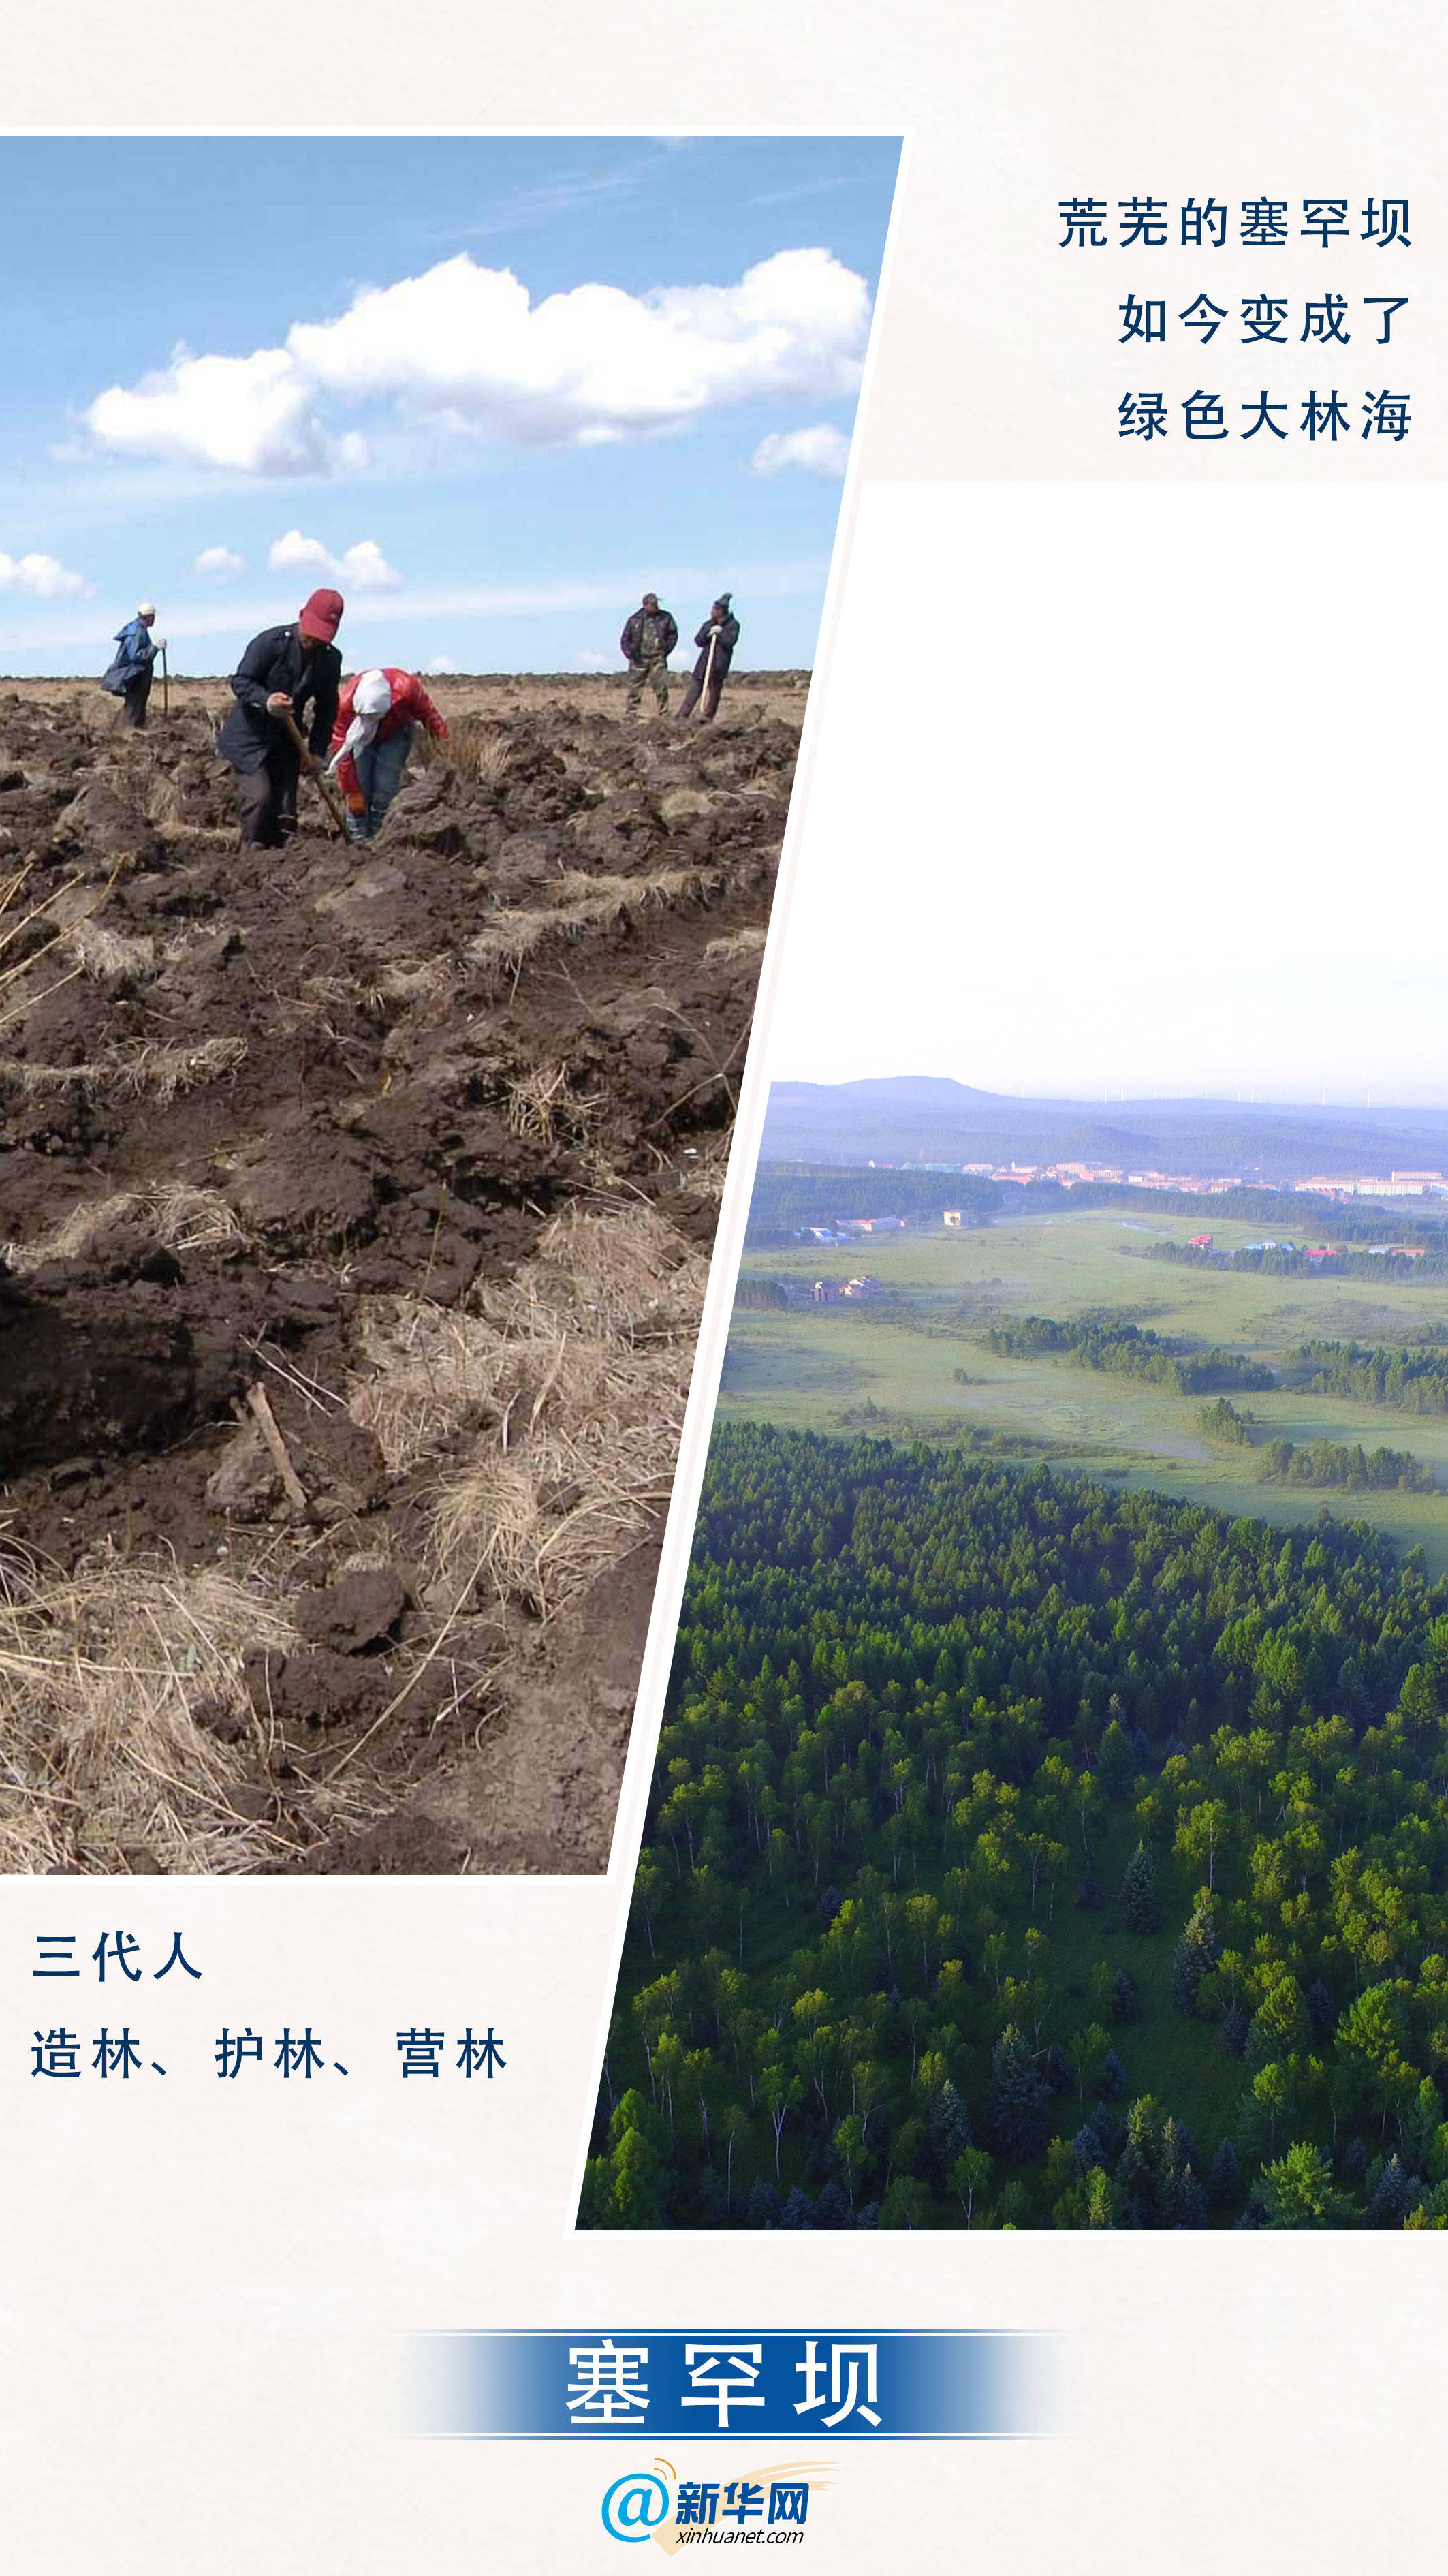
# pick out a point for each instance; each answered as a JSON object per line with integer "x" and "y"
{"x": 160, "y": 643}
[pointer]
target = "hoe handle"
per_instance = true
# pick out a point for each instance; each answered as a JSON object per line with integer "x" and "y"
{"x": 324, "y": 786}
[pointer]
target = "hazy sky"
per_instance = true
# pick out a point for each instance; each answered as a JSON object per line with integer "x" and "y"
{"x": 489, "y": 389}
{"x": 1131, "y": 788}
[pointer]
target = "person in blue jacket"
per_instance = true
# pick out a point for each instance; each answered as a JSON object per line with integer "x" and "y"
{"x": 130, "y": 674}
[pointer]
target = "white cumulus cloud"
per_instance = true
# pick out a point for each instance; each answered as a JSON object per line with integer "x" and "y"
{"x": 42, "y": 577}
{"x": 464, "y": 348}
{"x": 822, "y": 451}
{"x": 367, "y": 568}
{"x": 588, "y": 661}
{"x": 219, "y": 559}
{"x": 364, "y": 565}
{"x": 252, "y": 414}
{"x": 441, "y": 667}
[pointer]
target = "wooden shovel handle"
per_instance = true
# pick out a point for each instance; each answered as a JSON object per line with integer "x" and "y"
{"x": 324, "y": 786}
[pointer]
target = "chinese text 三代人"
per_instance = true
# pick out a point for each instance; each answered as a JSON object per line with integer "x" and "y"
{"x": 114, "y": 1949}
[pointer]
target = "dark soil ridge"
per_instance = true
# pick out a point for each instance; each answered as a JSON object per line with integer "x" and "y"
{"x": 245, "y": 1092}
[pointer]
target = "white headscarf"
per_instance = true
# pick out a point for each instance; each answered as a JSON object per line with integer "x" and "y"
{"x": 371, "y": 701}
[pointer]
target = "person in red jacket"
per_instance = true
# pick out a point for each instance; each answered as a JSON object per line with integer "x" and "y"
{"x": 371, "y": 738}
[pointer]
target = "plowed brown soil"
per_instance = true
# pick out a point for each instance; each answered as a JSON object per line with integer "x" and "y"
{"x": 422, "y": 1144}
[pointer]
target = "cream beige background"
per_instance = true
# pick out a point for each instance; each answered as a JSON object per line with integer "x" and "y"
{"x": 202, "y": 2283}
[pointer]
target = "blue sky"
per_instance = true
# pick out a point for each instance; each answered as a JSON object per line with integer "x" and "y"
{"x": 488, "y": 389}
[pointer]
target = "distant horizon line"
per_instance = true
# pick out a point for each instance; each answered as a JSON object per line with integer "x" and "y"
{"x": 1256, "y": 1096}
{"x": 521, "y": 671}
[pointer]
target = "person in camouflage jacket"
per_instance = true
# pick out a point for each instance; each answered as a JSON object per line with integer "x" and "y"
{"x": 646, "y": 643}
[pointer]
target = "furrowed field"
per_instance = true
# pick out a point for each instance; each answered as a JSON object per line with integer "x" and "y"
{"x": 354, "y": 1218}
{"x": 916, "y": 1363}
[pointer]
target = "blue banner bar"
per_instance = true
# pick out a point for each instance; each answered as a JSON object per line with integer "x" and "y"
{"x": 852, "y": 2386}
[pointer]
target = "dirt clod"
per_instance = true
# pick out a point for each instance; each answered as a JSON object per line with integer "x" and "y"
{"x": 350, "y": 1616}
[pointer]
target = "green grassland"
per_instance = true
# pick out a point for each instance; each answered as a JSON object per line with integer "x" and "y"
{"x": 818, "y": 1368}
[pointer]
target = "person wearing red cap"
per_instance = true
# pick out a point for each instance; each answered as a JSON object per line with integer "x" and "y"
{"x": 371, "y": 739}
{"x": 282, "y": 671}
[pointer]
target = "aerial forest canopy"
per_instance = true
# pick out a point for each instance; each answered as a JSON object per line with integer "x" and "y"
{"x": 1022, "y": 1853}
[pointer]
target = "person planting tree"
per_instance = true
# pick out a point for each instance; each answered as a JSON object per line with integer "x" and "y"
{"x": 371, "y": 738}
{"x": 284, "y": 670}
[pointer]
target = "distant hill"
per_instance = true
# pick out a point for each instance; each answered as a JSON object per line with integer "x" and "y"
{"x": 919, "y": 1118}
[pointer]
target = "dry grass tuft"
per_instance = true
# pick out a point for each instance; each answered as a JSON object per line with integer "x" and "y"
{"x": 491, "y": 1531}
{"x": 705, "y": 1171}
{"x": 192, "y": 1220}
{"x": 679, "y": 805}
{"x": 165, "y": 1070}
{"x": 585, "y": 903}
{"x": 161, "y": 1070}
{"x": 164, "y": 804}
{"x": 75, "y": 1233}
{"x": 34, "y": 1078}
{"x": 107, "y": 957}
{"x": 182, "y": 1218}
{"x": 477, "y": 750}
{"x": 200, "y": 836}
{"x": 557, "y": 1407}
{"x": 420, "y": 982}
{"x": 104, "y": 1675}
{"x": 540, "y": 1103}
{"x": 430, "y": 1369}
{"x": 625, "y": 1272}
{"x": 738, "y": 943}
